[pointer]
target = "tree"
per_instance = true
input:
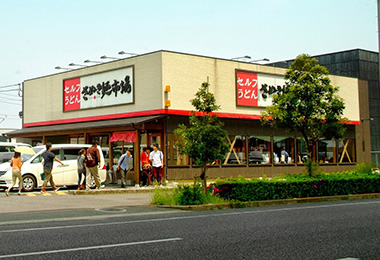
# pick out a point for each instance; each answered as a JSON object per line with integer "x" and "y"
{"x": 307, "y": 105}
{"x": 204, "y": 140}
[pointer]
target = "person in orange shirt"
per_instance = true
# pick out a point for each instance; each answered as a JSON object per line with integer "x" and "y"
{"x": 16, "y": 173}
{"x": 146, "y": 167}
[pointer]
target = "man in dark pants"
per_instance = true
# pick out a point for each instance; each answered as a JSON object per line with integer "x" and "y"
{"x": 92, "y": 162}
{"x": 49, "y": 157}
{"x": 123, "y": 165}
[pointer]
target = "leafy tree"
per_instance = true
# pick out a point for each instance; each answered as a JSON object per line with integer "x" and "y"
{"x": 204, "y": 140}
{"x": 307, "y": 105}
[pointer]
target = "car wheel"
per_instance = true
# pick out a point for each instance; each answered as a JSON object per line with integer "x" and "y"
{"x": 28, "y": 183}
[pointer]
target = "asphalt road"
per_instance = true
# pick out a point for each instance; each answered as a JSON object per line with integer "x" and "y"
{"x": 334, "y": 230}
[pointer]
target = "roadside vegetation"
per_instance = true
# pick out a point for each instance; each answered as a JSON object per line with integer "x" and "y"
{"x": 185, "y": 194}
{"x": 363, "y": 179}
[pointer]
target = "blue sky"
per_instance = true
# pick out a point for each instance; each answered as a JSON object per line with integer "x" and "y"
{"x": 38, "y": 35}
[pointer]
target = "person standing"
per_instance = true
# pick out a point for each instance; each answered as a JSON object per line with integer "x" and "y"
{"x": 81, "y": 169}
{"x": 284, "y": 155}
{"x": 146, "y": 167}
{"x": 123, "y": 166}
{"x": 157, "y": 160}
{"x": 16, "y": 173}
{"x": 49, "y": 157}
{"x": 92, "y": 162}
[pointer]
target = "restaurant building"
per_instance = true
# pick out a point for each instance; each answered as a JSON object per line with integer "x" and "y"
{"x": 137, "y": 101}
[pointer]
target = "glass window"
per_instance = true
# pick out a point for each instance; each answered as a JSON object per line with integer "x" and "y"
{"x": 346, "y": 151}
{"x": 38, "y": 159}
{"x": 301, "y": 150}
{"x": 120, "y": 148}
{"x": 71, "y": 153}
{"x": 174, "y": 157}
{"x": 327, "y": 151}
{"x": 283, "y": 149}
{"x": 259, "y": 150}
{"x": 58, "y": 153}
{"x": 237, "y": 150}
{"x": 6, "y": 149}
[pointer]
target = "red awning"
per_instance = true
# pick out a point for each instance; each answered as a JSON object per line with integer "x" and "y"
{"x": 123, "y": 136}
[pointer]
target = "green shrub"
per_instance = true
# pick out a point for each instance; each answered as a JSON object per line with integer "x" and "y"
{"x": 360, "y": 180}
{"x": 163, "y": 197}
{"x": 183, "y": 195}
{"x": 190, "y": 195}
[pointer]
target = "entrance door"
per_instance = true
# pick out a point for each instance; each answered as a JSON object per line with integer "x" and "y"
{"x": 155, "y": 138}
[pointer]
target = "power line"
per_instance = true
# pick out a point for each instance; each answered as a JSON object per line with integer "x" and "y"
{"x": 13, "y": 85}
{"x": 10, "y": 103}
{"x": 9, "y": 90}
{"x": 11, "y": 99}
{"x": 9, "y": 115}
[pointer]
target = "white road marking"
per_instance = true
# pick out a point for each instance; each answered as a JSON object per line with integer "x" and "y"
{"x": 90, "y": 248}
{"x": 191, "y": 217}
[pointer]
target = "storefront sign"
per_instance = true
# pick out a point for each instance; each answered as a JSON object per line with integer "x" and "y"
{"x": 255, "y": 89}
{"x": 98, "y": 90}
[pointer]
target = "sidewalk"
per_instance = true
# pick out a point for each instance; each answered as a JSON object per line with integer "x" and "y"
{"x": 113, "y": 188}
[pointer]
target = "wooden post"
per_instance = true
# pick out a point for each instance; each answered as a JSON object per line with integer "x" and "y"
{"x": 137, "y": 157}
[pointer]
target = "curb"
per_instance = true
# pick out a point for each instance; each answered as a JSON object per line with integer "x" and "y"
{"x": 229, "y": 205}
{"x": 112, "y": 191}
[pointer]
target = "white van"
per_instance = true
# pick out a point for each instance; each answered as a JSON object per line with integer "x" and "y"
{"x": 63, "y": 175}
{"x": 7, "y": 150}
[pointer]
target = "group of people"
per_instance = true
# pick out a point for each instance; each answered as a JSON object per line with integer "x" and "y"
{"x": 88, "y": 163}
{"x": 152, "y": 165}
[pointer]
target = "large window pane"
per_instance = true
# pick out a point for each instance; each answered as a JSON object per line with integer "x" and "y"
{"x": 283, "y": 149}
{"x": 174, "y": 157}
{"x": 119, "y": 148}
{"x": 237, "y": 150}
{"x": 259, "y": 150}
{"x": 346, "y": 151}
{"x": 301, "y": 150}
{"x": 327, "y": 151}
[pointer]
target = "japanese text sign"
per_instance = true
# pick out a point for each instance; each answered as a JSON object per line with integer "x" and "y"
{"x": 256, "y": 89}
{"x": 98, "y": 90}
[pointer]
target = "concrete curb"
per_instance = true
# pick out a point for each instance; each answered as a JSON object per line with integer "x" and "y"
{"x": 113, "y": 191}
{"x": 272, "y": 202}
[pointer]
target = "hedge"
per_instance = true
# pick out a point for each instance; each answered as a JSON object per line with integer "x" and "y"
{"x": 256, "y": 190}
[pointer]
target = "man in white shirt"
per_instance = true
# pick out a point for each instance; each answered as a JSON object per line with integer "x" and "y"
{"x": 157, "y": 161}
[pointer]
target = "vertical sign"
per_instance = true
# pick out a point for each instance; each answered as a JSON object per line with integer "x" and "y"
{"x": 246, "y": 87}
{"x": 71, "y": 94}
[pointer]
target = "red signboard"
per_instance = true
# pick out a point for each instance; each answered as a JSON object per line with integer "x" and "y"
{"x": 72, "y": 94}
{"x": 246, "y": 88}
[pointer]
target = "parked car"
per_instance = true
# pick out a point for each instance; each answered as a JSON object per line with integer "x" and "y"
{"x": 7, "y": 150}
{"x": 63, "y": 175}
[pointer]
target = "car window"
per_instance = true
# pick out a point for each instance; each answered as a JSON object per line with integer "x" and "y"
{"x": 25, "y": 157}
{"x": 38, "y": 159}
{"x": 71, "y": 153}
{"x": 57, "y": 153}
{"x": 6, "y": 149}
{"x": 37, "y": 149}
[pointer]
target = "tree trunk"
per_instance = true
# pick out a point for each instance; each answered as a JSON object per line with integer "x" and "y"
{"x": 204, "y": 177}
{"x": 309, "y": 151}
